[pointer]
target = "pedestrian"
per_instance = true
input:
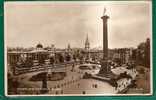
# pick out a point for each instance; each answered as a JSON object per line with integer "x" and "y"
{"x": 73, "y": 67}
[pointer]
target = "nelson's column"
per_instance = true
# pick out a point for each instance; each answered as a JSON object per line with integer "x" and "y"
{"x": 104, "y": 62}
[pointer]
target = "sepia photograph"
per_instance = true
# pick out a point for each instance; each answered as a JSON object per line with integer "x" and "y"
{"x": 78, "y": 48}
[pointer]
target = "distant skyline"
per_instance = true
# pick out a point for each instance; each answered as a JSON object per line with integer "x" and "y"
{"x": 63, "y": 23}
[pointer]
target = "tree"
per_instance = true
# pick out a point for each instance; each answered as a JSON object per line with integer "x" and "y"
{"x": 74, "y": 57}
{"x": 68, "y": 57}
{"x": 61, "y": 58}
{"x": 134, "y": 54}
{"x": 52, "y": 60}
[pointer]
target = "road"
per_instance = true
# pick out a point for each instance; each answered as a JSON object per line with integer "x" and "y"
{"x": 71, "y": 84}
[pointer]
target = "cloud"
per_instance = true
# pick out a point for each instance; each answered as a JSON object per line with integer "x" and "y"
{"x": 60, "y": 24}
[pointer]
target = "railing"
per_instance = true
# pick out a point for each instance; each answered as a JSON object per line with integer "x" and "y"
{"x": 44, "y": 67}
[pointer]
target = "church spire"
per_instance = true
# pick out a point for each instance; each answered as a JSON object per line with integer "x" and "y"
{"x": 69, "y": 46}
{"x": 87, "y": 44}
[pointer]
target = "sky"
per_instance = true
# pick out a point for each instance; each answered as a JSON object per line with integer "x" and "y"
{"x": 62, "y": 23}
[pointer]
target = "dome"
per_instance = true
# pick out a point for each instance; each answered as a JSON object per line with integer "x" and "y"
{"x": 39, "y": 46}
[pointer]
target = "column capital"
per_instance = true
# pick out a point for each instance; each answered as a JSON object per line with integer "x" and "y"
{"x": 105, "y": 17}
